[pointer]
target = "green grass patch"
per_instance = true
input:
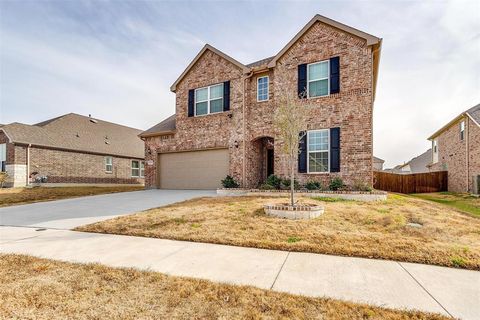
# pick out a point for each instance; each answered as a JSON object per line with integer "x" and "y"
{"x": 458, "y": 262}
{"x": 293, "y": 239}
{"x": 463, "y": 202}
{"x": 329, "y": 199}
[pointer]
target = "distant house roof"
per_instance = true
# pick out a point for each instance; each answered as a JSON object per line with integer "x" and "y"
{"x": 419, "y": 164}
{"x": 165, "y": 127}
{"x": 375, "y": 159}
{"x": 473, "y": 113}
{"x": 79, "y": 133}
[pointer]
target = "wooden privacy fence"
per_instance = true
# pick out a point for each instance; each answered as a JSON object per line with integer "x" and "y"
{"x": 411, "y": 183}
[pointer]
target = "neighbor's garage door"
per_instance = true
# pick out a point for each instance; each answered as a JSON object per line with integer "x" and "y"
{"x": 193, "y": 169}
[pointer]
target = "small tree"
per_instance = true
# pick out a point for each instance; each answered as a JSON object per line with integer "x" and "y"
{"x": 289, "y": 121}
{"x": 3, "y": 178}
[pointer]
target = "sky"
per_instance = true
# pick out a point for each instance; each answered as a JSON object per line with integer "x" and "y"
{"x": 117, "y": 59}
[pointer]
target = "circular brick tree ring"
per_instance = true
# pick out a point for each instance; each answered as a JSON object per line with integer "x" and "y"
{"x": 293, "y": 212}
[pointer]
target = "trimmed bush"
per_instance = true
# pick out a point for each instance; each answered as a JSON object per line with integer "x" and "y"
{"x": 286, "y": 184}
{"x": 336, "y": 184}
{"x": 313, "y": 185}
{"x": 274, "y": 181}
{"x": 229, "y": 182}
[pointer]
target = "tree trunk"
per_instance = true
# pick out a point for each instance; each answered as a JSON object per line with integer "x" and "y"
{"x": 292, "y": 180}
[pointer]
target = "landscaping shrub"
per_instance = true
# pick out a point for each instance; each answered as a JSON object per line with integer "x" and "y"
{"x": 313, "y": 185}
{"x": 286, "y": 184}
{"x": 229, "y": 182}
{"x": 266, "y": 186}
{"x": 336, "y": 184}
{"x": 274, "y": 181}
{"x": 359, "y": 185}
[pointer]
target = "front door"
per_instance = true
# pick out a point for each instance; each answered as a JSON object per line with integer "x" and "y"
{"x": 270, "y": 161}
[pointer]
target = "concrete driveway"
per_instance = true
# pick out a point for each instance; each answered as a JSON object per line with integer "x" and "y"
{"x": 70, "y": 213}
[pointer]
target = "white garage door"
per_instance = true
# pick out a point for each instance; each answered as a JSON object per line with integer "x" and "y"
{"x": 193, "y": 169}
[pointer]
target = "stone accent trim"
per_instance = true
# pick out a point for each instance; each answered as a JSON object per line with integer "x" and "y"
{"x": 293, "y": 212}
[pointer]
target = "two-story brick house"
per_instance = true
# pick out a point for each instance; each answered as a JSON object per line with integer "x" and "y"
{"x": 224, "y": 113}
{"x": 456, "y": 149}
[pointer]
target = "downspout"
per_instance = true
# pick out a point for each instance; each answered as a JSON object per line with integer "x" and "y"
{"x": 28, "y": 164}
{"x": 244, "y": 162}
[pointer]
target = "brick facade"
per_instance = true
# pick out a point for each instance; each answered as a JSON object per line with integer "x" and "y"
{"x": 452, "y": 155}
{"x": 66, "y": 166}
{"x": 351, "y": 110}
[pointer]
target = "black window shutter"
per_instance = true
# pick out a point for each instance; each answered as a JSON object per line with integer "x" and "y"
{"x": 191, "y": 103}
{"x": 335, "y": 150}
{"x": 302, "y": 156}
{"x": 302, "y": 80}
{"x": 334, "y": 75}
{"x": 226, "y": 96}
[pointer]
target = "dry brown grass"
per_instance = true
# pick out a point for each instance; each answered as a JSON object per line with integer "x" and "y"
{"x": 372, "y": 230}
{"x": 33, "y": 288}
{"x": 15, "y": 196}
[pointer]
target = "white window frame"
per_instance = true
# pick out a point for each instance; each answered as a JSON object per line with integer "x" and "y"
{"x": 142, "y": 169}
{"x": 308, "y": 151}
{"x": 434, "y": 151}
{"x": 258, "y": 88}
{"x": 3, "y": 157}
{"x": 328, "y": 79}
{"x": 132, "y": 168}
{"x": 462, "y": 130}
{"x": 108, "y": 164}
{"x": 208, "y": 100}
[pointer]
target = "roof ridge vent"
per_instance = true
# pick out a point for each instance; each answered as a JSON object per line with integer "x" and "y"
{"x": 91, "y": 119}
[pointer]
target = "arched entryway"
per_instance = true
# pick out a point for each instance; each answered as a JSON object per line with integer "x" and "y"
{"x": 262, "y": 160}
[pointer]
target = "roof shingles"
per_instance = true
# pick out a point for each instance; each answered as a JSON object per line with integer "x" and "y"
{"x": 79, "y": 133}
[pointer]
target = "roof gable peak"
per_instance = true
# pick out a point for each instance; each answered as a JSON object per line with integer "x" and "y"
{"x": 199, "y": 55}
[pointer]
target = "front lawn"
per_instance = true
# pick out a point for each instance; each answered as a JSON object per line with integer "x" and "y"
{"x": 33, "y": 288}
{"x": 15, "y": 196}
{"x": 364, "y": 229}
{"x": 461, "y": 201}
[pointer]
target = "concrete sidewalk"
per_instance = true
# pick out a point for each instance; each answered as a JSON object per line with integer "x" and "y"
{"x": 385, "y": 283}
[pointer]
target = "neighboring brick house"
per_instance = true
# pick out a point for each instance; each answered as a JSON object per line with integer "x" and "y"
{"x": 71, "y": 149}
{"x": 224, "y": 113}
{"x": 378, "y": 164}
{"x": 456, "y": 148}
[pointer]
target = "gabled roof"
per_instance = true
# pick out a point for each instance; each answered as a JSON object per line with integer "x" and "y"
{"x": 473, "y": 113}
{"x": 78, "y": 133}
{"x": 199, "y": 55}
{"x": 271, "y": 61}
{"x": 376, "y": 159}
{"x": 371, "y": 40}
{"x": 167, "y": 126}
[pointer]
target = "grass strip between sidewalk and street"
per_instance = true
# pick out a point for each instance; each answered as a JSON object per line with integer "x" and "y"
{"x": 34, "y": 288}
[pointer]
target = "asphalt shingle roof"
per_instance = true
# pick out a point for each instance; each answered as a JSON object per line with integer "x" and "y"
{"x": 79, "y": 133}
{"x": 167, "y": 125}
{"x": 474, "y": 112}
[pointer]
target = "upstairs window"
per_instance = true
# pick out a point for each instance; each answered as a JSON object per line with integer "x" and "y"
{"x": 318, "y": 150}
{"x": 462, "y": 130}
{"x": 3, "y": 157}
{"x": 108, "y": 164}
{"x": 318, "y": 82}
{"x": 209, "y": 100}
{"x": 435, "y": 151}
{"x": 262, "y": 89}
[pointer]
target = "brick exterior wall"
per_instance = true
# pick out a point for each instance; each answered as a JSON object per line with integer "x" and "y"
{"x": 74, "y": 167}
{"x": 474, "y": 152}
{"x": 69, "y": 167}
{"x": 452, "y": 155}
{"x": 351, "y": 110}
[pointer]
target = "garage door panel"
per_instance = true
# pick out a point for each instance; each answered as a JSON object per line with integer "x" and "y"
{"x": 193, "y": 170}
